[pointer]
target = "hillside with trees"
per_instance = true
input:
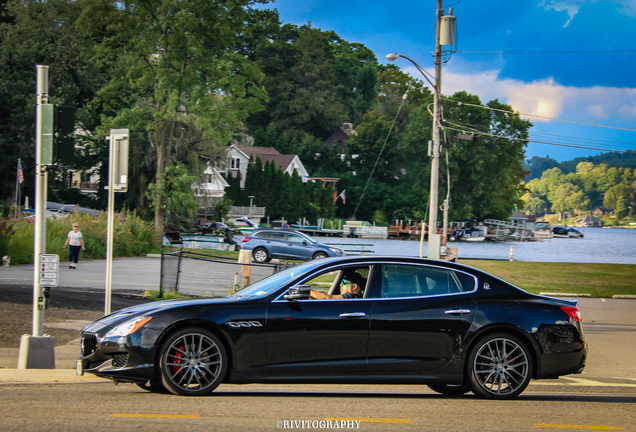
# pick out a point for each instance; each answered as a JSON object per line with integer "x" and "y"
{"x": 590, "y": 186}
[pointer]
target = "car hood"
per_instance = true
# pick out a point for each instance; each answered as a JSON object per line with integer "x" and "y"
{"x": 149, "y": 308}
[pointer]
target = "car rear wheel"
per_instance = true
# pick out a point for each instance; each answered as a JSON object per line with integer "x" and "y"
{"x": 260, "y": 255}
{"x": 320, "y": 255}
{"x": 450, "y": 389}
{"x": 193, "y": 362}
{"x": 500, "y": 367}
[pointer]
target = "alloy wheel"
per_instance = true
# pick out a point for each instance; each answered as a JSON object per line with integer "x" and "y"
{"x": 192, "y": 363}
{"x": 501, "y": 368}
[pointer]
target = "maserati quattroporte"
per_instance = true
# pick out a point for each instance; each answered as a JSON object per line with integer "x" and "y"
{"x": 411, "y": 321}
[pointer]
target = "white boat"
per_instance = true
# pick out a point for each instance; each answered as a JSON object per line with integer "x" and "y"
{"x": 363, "y": 229}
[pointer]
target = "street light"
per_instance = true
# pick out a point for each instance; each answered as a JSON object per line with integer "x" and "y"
{"x": 434, "y": 239}
{"x": 251, "y": 197}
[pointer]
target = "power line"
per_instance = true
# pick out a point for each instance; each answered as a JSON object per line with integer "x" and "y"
{"x": 538, "y": 116}
{"x": 547, "y": 52}
{"x": 529, "y": 140}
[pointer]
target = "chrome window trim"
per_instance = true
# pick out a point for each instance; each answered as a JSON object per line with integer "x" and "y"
{"x": 281, "y": 299}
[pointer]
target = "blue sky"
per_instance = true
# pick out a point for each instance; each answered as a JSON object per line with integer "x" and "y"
{"x": 578, "y": 59}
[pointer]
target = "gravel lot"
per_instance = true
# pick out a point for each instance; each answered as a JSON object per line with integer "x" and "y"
{"x": 68, "y": 309}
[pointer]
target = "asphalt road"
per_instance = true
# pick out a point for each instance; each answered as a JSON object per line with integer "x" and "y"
{"x": 89, "y": 406}
{"x": 602, "y": 398}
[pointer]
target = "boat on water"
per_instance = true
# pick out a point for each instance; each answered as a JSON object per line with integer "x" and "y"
{"x": 542, "y": 230}
{"x": 364, "y": 229}
{"x": 468, "y": 230}
{"x": 565, "y": 232}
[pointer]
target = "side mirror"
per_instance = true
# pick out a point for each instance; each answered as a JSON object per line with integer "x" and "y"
{"x": 298, "y": 292}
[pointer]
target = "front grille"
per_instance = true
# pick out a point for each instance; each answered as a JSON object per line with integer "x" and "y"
{"x": 94, "y": 365}
{"x": 120, "y": 360}
{"x": 89, "y": 343}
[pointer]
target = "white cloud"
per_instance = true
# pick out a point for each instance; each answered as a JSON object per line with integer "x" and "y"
{"x": 570, "y": 7}
{"x": 548, "y": 98}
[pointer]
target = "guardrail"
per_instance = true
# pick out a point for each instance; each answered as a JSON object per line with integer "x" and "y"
{"x": 360, "y": 248}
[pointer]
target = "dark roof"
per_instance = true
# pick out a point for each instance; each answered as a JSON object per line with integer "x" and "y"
{"x": 255, "y": 150}
{"x": 338, "y": 138}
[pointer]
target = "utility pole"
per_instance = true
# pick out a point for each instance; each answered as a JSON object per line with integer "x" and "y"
{"x": 434, "y": 239}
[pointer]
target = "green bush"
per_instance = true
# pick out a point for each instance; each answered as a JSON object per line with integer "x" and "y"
{"x": 131, "y": 236}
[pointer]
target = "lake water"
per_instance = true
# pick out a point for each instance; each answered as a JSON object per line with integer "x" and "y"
{"x": 600, "y": 245}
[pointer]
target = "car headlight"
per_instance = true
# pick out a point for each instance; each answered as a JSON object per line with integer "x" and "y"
{"x": 335, "y": 250}
{"x": 128, "y": 327}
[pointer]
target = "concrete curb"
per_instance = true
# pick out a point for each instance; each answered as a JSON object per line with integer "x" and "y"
{"x": 564, "y": 294}
{"x": 624, "y": 296}
{"x": 44, "y": 376}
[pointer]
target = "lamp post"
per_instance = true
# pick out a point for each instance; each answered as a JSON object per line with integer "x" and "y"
{"x": 251, "y": 197}
{"x": 434, "y": 239}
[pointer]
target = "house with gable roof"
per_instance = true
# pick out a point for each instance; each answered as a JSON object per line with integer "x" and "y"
{"x": 238, "y": 157}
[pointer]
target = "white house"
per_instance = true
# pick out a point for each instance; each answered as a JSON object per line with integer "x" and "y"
{"x": 238, "y": 157}
{"x": 212, "y": 186}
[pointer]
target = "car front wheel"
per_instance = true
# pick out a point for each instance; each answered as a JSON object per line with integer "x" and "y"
{"x": 500, "y": 367}
{"x": 260, "y": 255}
{"x": 320, "y": 255}
{"x": 193, "y": 362}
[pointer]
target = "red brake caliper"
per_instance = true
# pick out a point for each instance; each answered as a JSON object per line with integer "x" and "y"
{"x": 178, "y": 355}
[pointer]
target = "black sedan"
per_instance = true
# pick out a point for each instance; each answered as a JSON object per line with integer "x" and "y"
{"x": 418, "y": 321}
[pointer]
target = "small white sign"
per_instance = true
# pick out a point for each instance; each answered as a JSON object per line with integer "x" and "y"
{"x": 49, "y": 268}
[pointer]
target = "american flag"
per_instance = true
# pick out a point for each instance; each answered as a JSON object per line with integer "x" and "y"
{"x": 20, "y": 173}
{"x": 342, "y": 195}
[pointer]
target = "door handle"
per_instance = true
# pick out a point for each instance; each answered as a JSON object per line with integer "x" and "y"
{"x": 352, "y": 315}
{"x": 458, "y": 312}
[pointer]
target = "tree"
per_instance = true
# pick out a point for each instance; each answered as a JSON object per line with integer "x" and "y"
{"x": 31, "y": 33}
{"x": 620, "y": 198}
{"x": 175, "y": 74}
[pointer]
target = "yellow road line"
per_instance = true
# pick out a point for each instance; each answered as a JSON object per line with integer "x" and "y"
{"x": 371, "y": 420}
{"x": 564, "y": 426}
{"x": 157, "y": 415}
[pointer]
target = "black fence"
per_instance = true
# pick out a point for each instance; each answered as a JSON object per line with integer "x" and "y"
{"x": 194, "y": 274}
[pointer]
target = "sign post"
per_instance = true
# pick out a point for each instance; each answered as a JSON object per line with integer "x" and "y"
{"x": 117, "y": 182}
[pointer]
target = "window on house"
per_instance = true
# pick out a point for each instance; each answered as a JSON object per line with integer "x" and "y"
{"x": 235, "y": 163}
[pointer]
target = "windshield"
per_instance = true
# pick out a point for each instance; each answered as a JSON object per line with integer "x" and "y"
{"x": 309, "y": 239}
{"x": 270, "y": 285}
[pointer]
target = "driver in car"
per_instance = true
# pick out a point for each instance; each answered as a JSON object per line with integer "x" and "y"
{"x": 351, "y": 286}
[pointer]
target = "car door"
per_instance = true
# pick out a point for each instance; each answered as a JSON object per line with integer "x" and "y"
{"x": 318, "y": 337}
{"x": 275, "y": 242}
{"x": 298, "y": 247}
{"x": 420, "y": 319}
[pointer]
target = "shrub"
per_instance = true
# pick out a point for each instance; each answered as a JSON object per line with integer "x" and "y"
{"x": 131, "y": 236}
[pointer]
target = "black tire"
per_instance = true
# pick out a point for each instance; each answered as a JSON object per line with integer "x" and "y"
{"x": 261, "y": 255}
{"x": 499, "y": 367}
{"x": 203, "y": 358}
{"x": 152, "y": 387}
{"x": 320, "y": 255}
{"x": 450, "y": 389}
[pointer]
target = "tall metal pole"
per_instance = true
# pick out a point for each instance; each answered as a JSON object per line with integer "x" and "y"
{"x": 433, "y": 239}
{"x": 111, "y": 219}
{"x": 41, "y": 97}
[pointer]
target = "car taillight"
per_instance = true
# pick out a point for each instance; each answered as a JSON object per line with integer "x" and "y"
{"x": 246, "y": 239}
{"x": 573, "y": 312}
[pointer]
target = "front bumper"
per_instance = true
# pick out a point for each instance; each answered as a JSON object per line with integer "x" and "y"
{"x": 124, "y": 359}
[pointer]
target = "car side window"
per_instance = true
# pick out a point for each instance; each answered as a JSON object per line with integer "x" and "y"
{"x": 418, "y": 281}
{"x": 294, "y": 238}
{"x": 280, "y": 236}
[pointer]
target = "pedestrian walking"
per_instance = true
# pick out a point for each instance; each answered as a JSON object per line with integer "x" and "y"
{"x": 74, "y": 241}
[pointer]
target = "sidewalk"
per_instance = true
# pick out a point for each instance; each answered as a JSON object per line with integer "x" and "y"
{"x": 128, "y": 273}
{"x": 139, "y": 274}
